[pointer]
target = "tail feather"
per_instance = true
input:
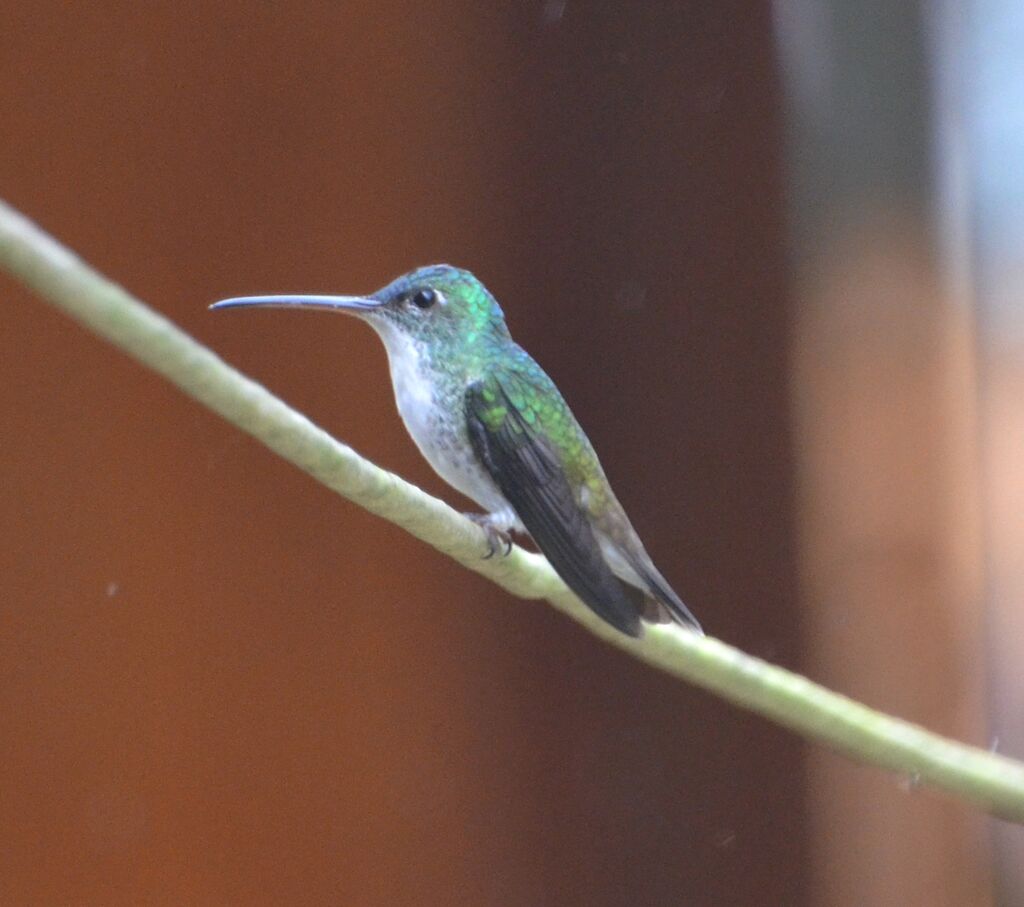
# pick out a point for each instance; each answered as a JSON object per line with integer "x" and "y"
{"x": 663, "y": 602}
{"x": 655, "y": 601}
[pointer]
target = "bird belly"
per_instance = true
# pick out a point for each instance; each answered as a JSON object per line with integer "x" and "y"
{"x": 446, "y": 447}
{"x": 440, "y": 433}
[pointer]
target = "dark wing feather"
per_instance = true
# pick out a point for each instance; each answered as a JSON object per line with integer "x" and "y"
{"x": 532, "y": 480}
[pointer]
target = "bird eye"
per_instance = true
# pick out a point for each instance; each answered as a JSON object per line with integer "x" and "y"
{"x": 424, "y": 299}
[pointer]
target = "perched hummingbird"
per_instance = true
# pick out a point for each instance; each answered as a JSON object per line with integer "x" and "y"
{"x": 494, "y": 426}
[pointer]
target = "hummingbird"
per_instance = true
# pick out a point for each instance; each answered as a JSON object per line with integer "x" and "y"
{"x": 494, "y": 426}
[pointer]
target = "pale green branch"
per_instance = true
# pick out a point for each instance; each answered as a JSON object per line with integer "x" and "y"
{"x": 987, "y": 779}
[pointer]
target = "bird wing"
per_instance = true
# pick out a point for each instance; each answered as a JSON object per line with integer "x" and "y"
{"x": 530, "y": 476}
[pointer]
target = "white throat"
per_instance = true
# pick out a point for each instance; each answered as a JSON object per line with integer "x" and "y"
{"x": 414, "y": 392}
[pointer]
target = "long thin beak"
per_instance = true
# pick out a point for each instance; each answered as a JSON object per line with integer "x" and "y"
{"x": 342, "y": 303}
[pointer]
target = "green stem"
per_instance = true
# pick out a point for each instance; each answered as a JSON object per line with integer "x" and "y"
{"x": 987, "y": 779}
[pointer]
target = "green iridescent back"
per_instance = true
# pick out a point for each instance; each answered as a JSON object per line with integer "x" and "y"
{"x": 544, "y": 410}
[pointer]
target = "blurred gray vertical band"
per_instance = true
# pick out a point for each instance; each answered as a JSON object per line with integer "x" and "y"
{"x": 858, "y": 121}
{"x": 992, "y": 61}
{"x": 884, "y": 405}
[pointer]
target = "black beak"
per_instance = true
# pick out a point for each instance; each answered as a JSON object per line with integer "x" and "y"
{"x": 341, "y": 303}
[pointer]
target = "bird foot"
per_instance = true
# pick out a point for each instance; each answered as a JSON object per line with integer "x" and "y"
{"x": 496, "y": 530}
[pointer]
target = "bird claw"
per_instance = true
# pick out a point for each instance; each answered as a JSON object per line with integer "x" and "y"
{"x": 496, "y": 536}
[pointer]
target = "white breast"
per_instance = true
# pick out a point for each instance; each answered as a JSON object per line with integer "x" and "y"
{"x": 414, "y": 393}
{"x": 442, "y": 441}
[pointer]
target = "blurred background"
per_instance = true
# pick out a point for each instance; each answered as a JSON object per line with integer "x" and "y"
{"x": 773, "y": 257}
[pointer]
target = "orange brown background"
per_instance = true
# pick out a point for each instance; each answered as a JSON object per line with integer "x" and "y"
{"x": 221, "y": 684}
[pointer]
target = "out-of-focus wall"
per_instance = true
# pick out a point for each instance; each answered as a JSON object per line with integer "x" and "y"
{"x": 220, "y": 683}
{"x": 885, "y": 399}
{"x": 983, "y": 51}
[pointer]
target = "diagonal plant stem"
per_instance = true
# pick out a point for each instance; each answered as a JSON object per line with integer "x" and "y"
{"x": 987, "y": 779}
